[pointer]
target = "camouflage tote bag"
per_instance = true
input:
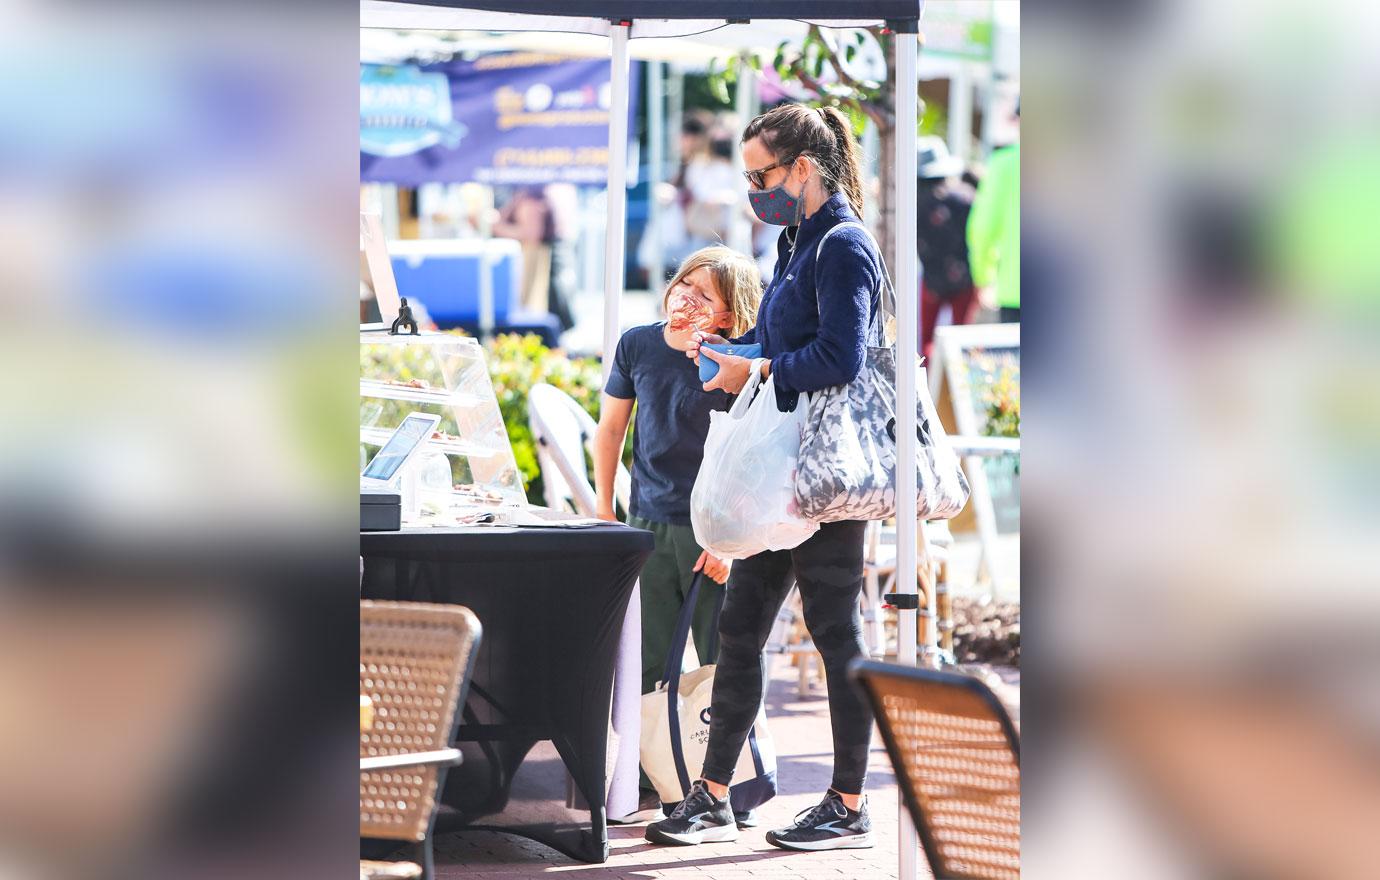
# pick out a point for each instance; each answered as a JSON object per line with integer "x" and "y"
{"x": 847, "y": 464}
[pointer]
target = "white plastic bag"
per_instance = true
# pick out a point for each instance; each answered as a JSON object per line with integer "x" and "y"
{"x": 744, "y": 497}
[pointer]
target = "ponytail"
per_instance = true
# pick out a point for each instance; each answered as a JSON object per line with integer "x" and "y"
{"x": 847, "y": 167}
{"x": 792, "y": 130}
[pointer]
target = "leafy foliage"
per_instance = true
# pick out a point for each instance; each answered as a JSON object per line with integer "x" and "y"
{"x": 823, "y": 65}
{"x": 995, "y": 377}
{"x": 516, "y": 363}
{"x": 1003, "y": 399}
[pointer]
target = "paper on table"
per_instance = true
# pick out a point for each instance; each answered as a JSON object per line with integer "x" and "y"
{"x": 541, "y": 517}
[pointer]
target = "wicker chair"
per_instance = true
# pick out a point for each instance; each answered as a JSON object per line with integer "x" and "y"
{"x": 414, "y": 664}
{"x": 957, "y": 759}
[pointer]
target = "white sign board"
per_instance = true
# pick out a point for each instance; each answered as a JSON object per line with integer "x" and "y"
{"x": 980, "y": 363}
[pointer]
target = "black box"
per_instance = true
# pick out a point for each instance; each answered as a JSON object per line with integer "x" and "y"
{"x": 380, "y": 510}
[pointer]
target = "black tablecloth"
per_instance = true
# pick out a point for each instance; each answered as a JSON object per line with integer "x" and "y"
{"x": 552, "y": 604}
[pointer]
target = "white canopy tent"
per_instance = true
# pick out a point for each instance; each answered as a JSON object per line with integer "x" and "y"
{"x": 622, "y": 20}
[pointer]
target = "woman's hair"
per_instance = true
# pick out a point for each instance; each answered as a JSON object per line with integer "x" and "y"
{"x": 736, "y": 279}
{"x": 793, "y": 130}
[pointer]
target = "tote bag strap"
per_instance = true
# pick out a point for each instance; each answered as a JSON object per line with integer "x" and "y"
{"x": 681, "y": 636}
{"x": 888, "y": 297}
{"x": 671, "y": 675}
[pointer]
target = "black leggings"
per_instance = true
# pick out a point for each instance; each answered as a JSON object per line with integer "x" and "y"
{"x": 829, "y": 571}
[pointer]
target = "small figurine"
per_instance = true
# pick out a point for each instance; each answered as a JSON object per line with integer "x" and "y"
{"x": 404, "y": 320}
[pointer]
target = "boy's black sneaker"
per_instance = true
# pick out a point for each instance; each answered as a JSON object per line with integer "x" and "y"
{"x": 700, "y": 818}
{"x": 828, "y": 825}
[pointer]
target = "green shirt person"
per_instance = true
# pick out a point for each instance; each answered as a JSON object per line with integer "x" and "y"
{"x": 994, "y": 230}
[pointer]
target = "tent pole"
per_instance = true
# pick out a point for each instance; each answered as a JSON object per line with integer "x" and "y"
{"x": 907, "y": 527}
{"x": 961, "y": 113}
{"x": 740, "y": 229}
{"x": 617, "y": 193}
{"x": 656, "y": 140}
{"x": 675, "y": 116}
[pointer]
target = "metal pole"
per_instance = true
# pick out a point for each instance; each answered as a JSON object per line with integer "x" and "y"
{"x": 989, "y": 107}
{"x": 618, "y": 192}
{"x": 486, "y": 294}
{"x": 589, "y": 241}
{"x": 675, "y": 112}
{"x": 961, "y": 112}
{"x": 656, "y": 140}
{"x": 872, "y": 163}
{"x": 906, "y": 345}
{"x": 740, "y": 229}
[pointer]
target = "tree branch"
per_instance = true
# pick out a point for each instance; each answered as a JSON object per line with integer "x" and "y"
{"x": 877, "y": 113}
{"x": 833, "y": 56}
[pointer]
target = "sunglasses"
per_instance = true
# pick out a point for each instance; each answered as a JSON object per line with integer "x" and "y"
{"x": 758, "y": 178}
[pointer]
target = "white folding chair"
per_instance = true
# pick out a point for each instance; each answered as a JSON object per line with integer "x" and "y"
{"x": 563, "y": 431}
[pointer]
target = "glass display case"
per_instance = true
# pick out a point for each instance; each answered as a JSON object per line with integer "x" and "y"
{"x": 467, "y": 466}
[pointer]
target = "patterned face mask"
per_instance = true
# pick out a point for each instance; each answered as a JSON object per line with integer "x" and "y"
{"x": 777, "y": 206}
{"x": 688, "y": 312}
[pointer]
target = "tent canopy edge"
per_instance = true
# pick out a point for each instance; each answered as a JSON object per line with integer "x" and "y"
{"x": 649, "y": 18}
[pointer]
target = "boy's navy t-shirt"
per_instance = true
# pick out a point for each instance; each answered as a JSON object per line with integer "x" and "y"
{"x": 671, "y": 424}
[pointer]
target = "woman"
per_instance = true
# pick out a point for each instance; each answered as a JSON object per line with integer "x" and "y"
{"x": 530, "y": 218}
{"x": 815, "y": 321}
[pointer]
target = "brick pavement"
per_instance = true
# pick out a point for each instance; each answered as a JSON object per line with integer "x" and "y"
{"x": 800, "y": 727}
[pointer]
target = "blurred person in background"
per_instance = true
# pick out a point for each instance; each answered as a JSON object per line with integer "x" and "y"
{"x": 712, "y": 185}
{"x": 942, "y": 208}
{"x": 673, "y": 199}
{"x": 530, "y": 218}
{"x": 564, "y": 204}
{"x": 441, "y": 212}
{"x": 694, "y": 141}
{"x": 994, "y": 231}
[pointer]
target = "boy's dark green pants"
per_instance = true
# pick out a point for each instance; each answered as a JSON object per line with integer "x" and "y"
{"x": 665, "y": 583}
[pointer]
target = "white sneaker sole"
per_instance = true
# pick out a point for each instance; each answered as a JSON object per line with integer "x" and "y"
{"x": 639, "y": 816}
{"x": 721, "y": 834}
{"x": 851, "y": 841}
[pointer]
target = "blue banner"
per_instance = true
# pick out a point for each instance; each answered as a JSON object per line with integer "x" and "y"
{"x": 517, "y": 118}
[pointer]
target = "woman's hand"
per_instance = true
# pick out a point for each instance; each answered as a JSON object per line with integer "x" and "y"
{"x": 734, "y": 372}
{"x": 698, "y": 338}
{"x": 713, "y": 566}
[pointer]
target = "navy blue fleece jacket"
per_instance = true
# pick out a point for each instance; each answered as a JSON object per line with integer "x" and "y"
{"x": 814, "y": 319}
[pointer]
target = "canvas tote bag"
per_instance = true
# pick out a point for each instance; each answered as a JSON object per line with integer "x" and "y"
{"x": 675, "y": 729}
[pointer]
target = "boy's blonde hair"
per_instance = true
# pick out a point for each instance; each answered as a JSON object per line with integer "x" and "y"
{"x": 736, "y": 279}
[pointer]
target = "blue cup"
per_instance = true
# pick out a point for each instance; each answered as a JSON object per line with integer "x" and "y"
{"x": 709, "y": 369}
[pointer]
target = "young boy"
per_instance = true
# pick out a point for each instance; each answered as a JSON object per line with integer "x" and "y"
{"x": 716, "y": 290}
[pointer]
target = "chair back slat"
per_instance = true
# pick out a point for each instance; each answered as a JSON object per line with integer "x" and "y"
{"x": 957, "y": 759}
{"x": 414, "y": 664}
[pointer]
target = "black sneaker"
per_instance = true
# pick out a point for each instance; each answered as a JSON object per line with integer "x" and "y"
{"x": 829, "y": 825}
{"x": 700, "y": 818}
